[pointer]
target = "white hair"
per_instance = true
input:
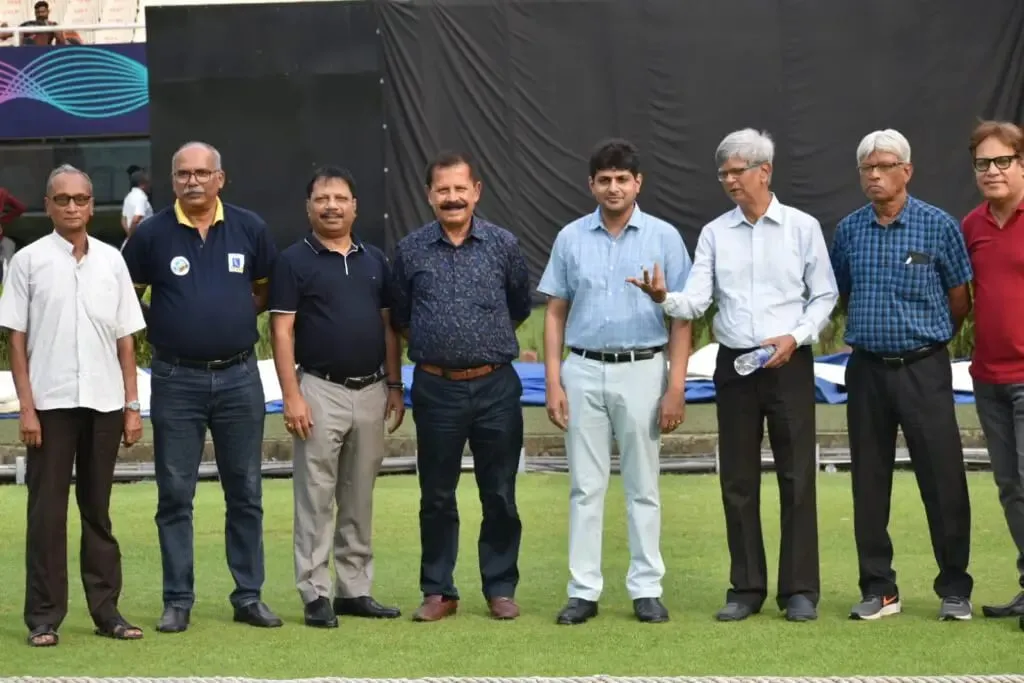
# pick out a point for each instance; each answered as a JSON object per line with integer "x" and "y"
{"x": 63, "y": 169}
{"x": 888, "y": 140}
{"x": 748, "y": 145}
{"x": 208, "y": 147}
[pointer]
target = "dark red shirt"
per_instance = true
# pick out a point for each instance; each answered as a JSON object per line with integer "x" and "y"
{"x": 997, "y": 257}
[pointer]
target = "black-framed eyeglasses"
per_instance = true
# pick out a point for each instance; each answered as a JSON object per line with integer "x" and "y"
{"x": 202, "y": 176}
{"x": 982, "y": 164}
{"x": 65, "y": 199}
{"x": 735, "y": 172}
{"x": 868, "y": 169}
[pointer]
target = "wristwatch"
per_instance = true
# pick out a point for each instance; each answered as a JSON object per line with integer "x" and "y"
{"x": 133, "y": 405}
{"x": 397, "y": 386}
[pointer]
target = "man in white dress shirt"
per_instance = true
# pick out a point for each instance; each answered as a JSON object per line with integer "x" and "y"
{"x": 767, "y": 267}
{"x": 71, "y": 310}
{"x": 136, "y": 207}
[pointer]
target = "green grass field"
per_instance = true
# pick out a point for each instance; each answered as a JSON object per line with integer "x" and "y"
{"x": 914, "y": 643}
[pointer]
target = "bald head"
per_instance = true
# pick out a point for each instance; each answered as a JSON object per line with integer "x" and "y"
{"x": 64, "y": 170}
{"x": 206, "y": 154}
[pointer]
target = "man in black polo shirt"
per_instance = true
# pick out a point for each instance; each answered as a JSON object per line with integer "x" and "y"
{"x": 329, "y": 308}
{"x": 207, "y": 264}
{"x": 461, "y": 287}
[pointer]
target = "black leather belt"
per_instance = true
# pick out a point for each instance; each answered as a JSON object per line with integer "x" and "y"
{"x": 901, "y": 360}
{"x": 355, "y": 383}
{"x": 202, "y": 364}
{"x": 618, "y": 356}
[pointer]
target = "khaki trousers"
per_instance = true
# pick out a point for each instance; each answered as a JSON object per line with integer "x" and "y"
{"x": 335, "y": 470}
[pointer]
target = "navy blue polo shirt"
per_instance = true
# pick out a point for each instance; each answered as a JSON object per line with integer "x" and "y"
{"x": 201, "y": 303}
{"x": 337, "y": 300}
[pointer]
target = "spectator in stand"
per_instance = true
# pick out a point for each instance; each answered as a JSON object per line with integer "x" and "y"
{"x": 10, "y": 209}
{"x": 136, "y": 207}
{"x": 42, "y": 10}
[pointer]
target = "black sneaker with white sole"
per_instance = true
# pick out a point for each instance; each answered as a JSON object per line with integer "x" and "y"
{"x": 955, "y": 609}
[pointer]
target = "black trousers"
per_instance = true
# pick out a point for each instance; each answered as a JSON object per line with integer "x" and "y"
{"x": 87, "y": 441}
{"x": 918, "y": 398}
{"x": 488, "y": 414}
{"x": 785, "y": 396}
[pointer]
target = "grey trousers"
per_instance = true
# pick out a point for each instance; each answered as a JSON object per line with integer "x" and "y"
{"x": 1001, "y": 413}
{"x": 335, "y": 470}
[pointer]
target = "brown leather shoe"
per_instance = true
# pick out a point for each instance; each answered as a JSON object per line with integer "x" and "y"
{"x": 435, "y": 608}
{"x": 503, "y": 608}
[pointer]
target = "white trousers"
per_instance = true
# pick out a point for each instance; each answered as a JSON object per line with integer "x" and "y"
{"x": 620, "y": 401}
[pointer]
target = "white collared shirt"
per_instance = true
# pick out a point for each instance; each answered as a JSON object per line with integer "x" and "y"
{"x": 769, "y": 279}
{"x": 73, "y": 313}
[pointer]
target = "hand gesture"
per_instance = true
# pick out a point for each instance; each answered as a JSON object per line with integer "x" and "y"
{"x": 395, "y": 409}
{"x": 651, "y": 285}
{"x": 132, "y": 427}
{"x": 298, "y": 418}
{"x": 784, "y": 348}
{"x": 558, "y": 406}
{"x": 31, "y": 431}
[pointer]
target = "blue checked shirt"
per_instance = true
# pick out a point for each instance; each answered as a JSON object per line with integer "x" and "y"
{"x": 588, "y": 267}
{"x": 897, "y": 277}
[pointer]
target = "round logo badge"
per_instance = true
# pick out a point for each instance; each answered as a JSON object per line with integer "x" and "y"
{"x": 180, "y": 265}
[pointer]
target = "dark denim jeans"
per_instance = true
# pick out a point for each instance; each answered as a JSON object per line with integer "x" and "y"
{"x": 230, "y": 402}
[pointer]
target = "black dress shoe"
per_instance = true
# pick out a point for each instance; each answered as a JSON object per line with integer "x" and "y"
{"x": 735, "y": 611}
{"x": 173, "y": 620}
{"x": 577, "y": 611}
{"x": 1011, "y": 609}
{"x": 364, "y": 606}
{"x": 800, "y": 608}
{"x": 319, "y": 614}
{"x": 257, "y": 614}
{"x": 650, "y": 610}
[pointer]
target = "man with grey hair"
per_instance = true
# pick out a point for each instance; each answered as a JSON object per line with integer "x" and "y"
{"x": 766, "y": 265}
{"x": 71, "y": 311}
{"x": 903, "y": 273}
{"x": 208, "y": 264}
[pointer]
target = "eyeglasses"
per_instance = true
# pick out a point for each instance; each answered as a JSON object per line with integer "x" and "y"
{"x": 868, "y": 169}
{"x": 65, "y": 199}
{"x": 982, "y": 164}
{"x": 735, "y": 172}
{"x": 202, "y": 176}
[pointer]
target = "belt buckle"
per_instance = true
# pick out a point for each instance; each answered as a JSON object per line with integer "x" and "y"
{"x": 894, "y": 361}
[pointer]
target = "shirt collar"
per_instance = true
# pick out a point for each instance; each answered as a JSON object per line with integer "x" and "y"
{"x": 314, "y": 243}
{"x": 474, "y": 231}
{"x": 636, "y": 219}
{"x": 773, "y": 213}
{"x": 66, "y": 246}
{"x": 179, "y": 213}
{"x": 988, "y": 209}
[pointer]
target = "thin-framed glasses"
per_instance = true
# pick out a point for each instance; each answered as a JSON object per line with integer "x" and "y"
{"x": 868, "y": 169}
{"x": 982, "y": 164}
{"x": 735, "y": 172}
{"x": 202, "y": 176}
{"x": 65, "y": 199}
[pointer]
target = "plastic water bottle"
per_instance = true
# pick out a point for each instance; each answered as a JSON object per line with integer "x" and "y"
{"x": 752, "y": 360}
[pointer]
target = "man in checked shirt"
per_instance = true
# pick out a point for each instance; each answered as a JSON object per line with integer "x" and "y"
{"x": 903, "y": 273}
{"x": 460, "y": 288}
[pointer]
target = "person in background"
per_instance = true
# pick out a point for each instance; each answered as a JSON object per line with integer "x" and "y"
{"x": 136, "y": 207}
{"x": 329, "y": 306}
{"x": 903, "y": 273}
{"x": 460, "y": 289}
{"x": 208, "y": 264}
{"x": 42, "y": 12}
{"x": 994, "y": 234}
{"x": 615, "y": 383}
{"x": 10, "y": 210}
{"x": 767, "y": 267}
{"x": 71, "y": 311}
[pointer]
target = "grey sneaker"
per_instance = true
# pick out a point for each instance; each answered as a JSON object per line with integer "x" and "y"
{"x": 875, "y": 607}
{"x": 955, "y": 609}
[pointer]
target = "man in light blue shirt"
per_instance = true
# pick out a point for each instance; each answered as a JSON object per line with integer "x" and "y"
{"x": 767, "y": 267}
{"x": 615, "y": 382}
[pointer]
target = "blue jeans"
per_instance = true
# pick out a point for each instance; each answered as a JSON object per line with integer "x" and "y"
{"x": 230, "y": 402}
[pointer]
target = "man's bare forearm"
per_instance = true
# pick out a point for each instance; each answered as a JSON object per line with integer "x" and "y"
{"x": 554, "y": 339}
{"x": 282, "y": 340}
{"x": 680, "y": 341}
{"x": 19, "y": 370}
{"x": 392, "y": 354}
{"x": 129, "y": 370}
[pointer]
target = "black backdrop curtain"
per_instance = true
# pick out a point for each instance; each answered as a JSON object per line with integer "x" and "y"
{"x": 528, "y": 87}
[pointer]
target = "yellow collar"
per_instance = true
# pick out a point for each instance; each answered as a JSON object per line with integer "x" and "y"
{"x": 218, "y": 216}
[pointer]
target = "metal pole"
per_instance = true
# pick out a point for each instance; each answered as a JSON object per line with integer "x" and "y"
{"x": 19, "y": 470}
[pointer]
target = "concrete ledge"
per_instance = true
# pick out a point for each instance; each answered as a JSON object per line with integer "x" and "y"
{"x": 539, "y": 445}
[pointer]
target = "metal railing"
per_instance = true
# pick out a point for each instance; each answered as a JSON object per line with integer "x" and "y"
{"x": 81, "y": 29}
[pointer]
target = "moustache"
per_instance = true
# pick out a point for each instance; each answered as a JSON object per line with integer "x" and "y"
{"x": 453, "y": 206}
{"x": 196, "y": 192}
{"x": 330, "y": 214}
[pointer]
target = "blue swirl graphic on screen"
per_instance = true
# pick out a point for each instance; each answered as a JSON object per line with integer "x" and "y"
{"x": 85, "y": 82}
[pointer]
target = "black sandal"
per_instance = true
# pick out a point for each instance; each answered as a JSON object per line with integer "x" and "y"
{"x": 119, "y": 629}
{"x": 43, "y": 636}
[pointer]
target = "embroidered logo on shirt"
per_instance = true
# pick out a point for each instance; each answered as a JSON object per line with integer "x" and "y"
{"x": 236, "y": 263}
{"x": 180, "y": 266}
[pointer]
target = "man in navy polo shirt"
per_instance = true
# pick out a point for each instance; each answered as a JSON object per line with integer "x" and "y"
{"x": 903, "y": 272}
{"x": 207, "y": 264}
{"x": 329, "y": 308}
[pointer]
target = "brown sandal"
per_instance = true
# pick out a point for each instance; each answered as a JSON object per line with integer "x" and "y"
{"x": 119, "y": 629}
{"x": 43, "y": 636}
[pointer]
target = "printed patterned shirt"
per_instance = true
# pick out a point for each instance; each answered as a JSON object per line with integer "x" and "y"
{"x": 897, "y": 277}
{"x": 460, "y": 304}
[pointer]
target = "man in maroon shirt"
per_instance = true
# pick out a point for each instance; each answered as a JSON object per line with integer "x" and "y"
{"x": 994, "y": 233}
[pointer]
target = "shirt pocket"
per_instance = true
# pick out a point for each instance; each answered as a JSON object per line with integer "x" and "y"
{"x": 915, "y": 281}
{"x": 101, "y": 301}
